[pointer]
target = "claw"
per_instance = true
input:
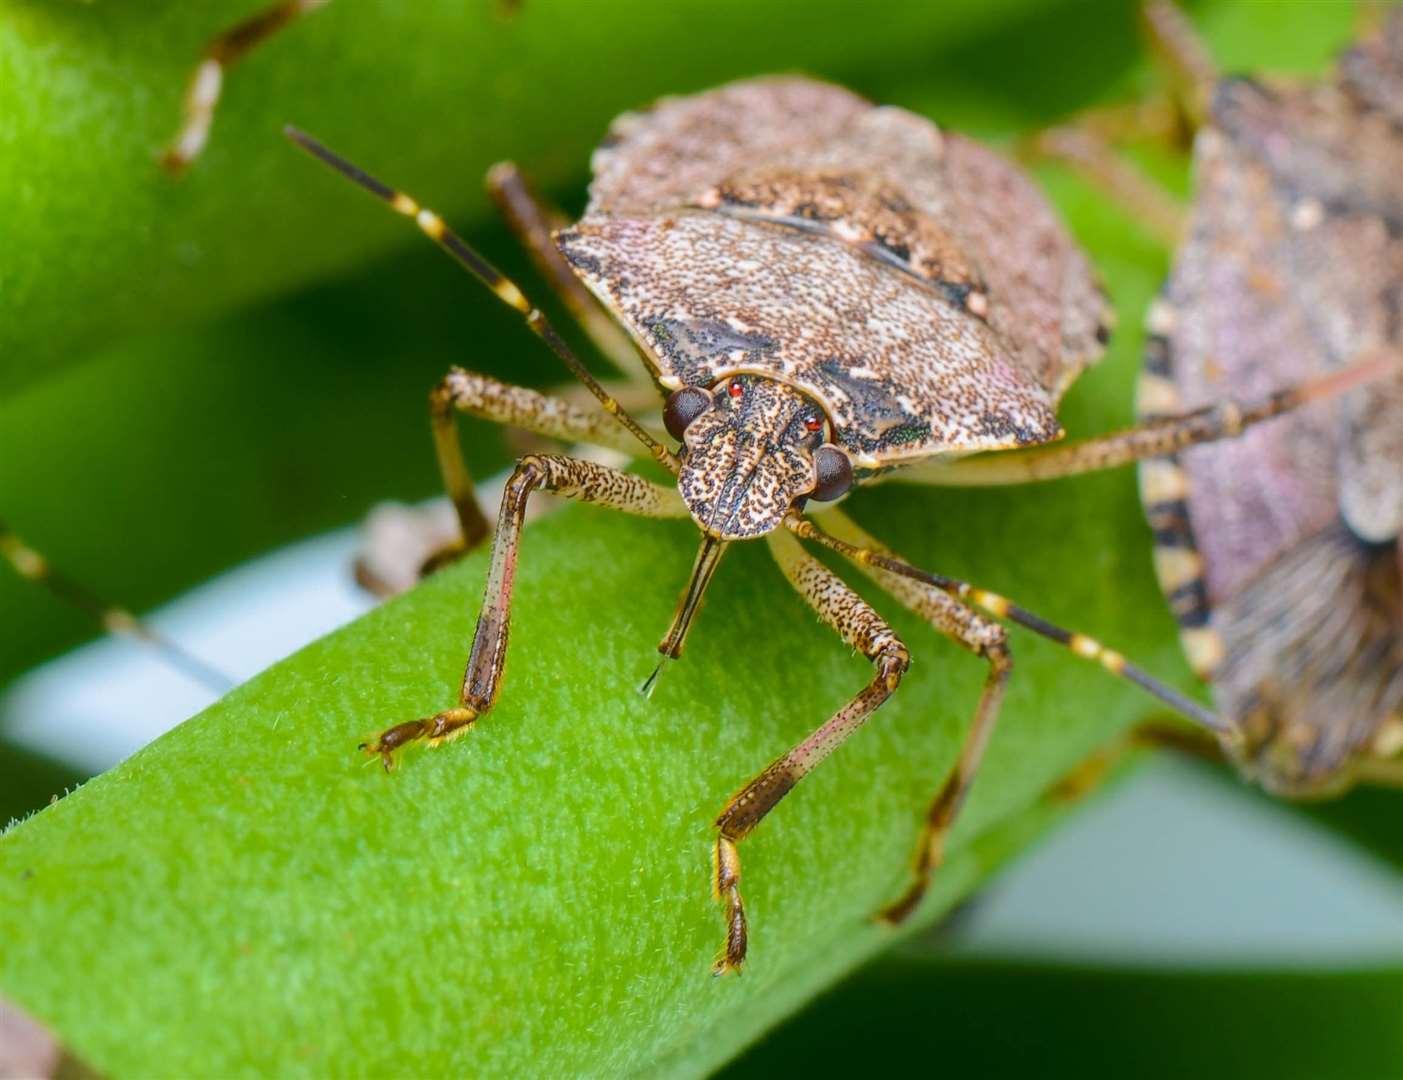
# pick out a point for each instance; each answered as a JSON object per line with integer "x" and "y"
{"x": 437, "y": 729}
{"x": 932, "y": 855}
{"x": 726, "y": 887}
{"x": 393, "y": 739}
{"x": 897, "y": 913}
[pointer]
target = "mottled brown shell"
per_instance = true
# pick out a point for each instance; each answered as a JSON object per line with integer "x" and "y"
{"x": 913, "y": 283}
{"x": 1281, "y": 556}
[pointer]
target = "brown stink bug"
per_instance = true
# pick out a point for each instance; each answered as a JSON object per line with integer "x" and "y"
{"x": 1280, "y": 553}
{"x": 826, "y": 293}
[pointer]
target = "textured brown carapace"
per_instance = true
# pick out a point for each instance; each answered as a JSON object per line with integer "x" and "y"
{"x": 1280, "y": 551}
{"x": 908, "y": 287}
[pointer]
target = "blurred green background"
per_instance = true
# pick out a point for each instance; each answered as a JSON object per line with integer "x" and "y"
{"x": 194, "y": 373}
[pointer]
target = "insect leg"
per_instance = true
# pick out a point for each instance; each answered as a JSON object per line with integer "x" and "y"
{"x": 1081, "y": 146}
{"x": 863, "y": 629}
{"x": 222, "y": 53}
{"x": 1155, "y": 438}
{"x": 533, "y": 220}
{"x": 981, "y": 636}
{"x": 402, "y": 546}
{"x": 503, "y": 288}
{"x": 478, "y": 395}
{"x": 31, "y": 565}
{"x": 1182, "y": 55}
{"x": 1084, "y": 646}
{"x": 574, "y": 479}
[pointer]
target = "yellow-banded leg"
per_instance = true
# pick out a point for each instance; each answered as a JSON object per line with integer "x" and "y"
{"x": 222, "y": 53}
{"x": 574, "y": 479}
{"x": 33, "y": 566}
{"x": 1086, "y": 647}
{"x": 916, "y": 588}
{"x": 501, "y": 286}
{"x": 987, "y": 640}
{"x": 1155, "y": 438}
{"x": 864, "y": 630}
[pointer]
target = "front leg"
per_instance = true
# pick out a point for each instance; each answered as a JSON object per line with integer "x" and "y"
{"x": 463, "y": 391}
{"x": 404, "y": 546}
{"x": 574, "y": 479}
{"x": 864, "y": 630}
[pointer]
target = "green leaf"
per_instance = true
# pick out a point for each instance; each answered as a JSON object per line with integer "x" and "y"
{"x": 540, "y": 888}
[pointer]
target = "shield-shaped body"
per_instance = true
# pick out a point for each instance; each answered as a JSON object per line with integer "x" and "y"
{"x": 1279, "y": 551}
{"x": 912, "y": 283}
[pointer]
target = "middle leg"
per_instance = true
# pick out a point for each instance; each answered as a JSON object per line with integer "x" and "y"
{"x": 987, "y": 640}
{"x": 463, "y": 391}
{"x": 1167, "y": 434}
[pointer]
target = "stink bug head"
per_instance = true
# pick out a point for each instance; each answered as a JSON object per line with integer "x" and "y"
{"x": 750, "y": 457}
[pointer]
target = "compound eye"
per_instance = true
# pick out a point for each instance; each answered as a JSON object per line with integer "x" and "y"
{"x": 682, "y": 407}
{"x": 813, "y": 423}
{"x": 736, "y": 389}
{"x": 835, "y": 473}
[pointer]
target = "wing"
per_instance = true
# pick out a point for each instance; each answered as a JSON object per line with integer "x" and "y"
{"x": 1313, "y": 659}
{"x": 707, "y": 294}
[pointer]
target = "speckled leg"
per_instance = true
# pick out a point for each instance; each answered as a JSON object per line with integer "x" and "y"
{"x": 33, "y": 566}
{"x": 387, "y": 565}
{"x": 864, "y": 630}
{"x": 222, "y": 53}
{"x": 1155, "y": 438}
{"x": 980, "y": 636}
{"x": 574, "y": 479}
{"x": 478, "y": 395}
{"x": 1086, "y": 647}
{"x": 466, "y": 392}
{"x": 502, "y": 287}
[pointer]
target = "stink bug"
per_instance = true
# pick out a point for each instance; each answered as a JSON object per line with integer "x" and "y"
{"x": 826, "y": 293}
{"x": 1280, "y": 553}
